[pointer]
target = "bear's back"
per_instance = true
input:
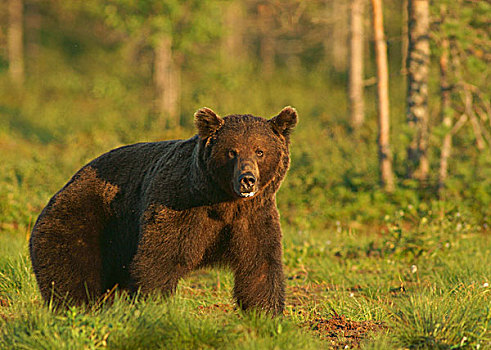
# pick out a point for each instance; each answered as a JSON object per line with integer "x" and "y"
{"x": 134, "y": 168}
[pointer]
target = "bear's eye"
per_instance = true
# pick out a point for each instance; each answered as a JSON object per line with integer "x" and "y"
{"x": 259, "y": 153}
{"x": 232, "y": 153}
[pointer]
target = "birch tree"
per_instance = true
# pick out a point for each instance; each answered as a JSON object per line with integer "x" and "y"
{"x": 418, "y": 59}
{"x": 336, "y": 44}
{"x": 356, "y": 103}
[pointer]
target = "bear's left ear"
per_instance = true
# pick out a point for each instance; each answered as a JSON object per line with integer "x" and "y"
{"x": 284, "y": 122}
{"x": 207, "y": 122}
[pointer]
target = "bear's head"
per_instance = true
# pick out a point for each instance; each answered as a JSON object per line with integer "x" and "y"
{"x": 245, "y": 154}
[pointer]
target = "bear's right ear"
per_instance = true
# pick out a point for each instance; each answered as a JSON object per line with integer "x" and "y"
{"x": 207, "y": 122}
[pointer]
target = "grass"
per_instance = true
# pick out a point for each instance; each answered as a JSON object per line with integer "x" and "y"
{"x": 416, "y": 278}
{"x": 344, "y": 288}
{"x": 364, "y": 268}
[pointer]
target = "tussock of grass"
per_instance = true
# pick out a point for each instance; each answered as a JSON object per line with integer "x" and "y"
{"x": 444, "y": 319}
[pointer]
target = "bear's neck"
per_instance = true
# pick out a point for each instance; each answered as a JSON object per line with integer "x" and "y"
{"x": 202, "y": 185}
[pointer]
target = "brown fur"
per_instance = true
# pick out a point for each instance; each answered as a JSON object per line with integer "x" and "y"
{"x": 143, "y": 216}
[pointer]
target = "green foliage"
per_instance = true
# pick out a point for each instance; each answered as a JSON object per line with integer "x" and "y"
{"x": 405, "y": 259}
{"x": 463, "y": 27}
{"x": 186, "y": 22}
{"x": 90, "y": 91}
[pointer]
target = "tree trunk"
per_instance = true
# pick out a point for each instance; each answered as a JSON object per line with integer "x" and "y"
{"x": 15, "y": 42}
{"x": 417, "y": 87}
{"x": 404, "y": 40}
{"x": 266, "y": 49}
{"x": 337, "y": 42}
{"x": 357, "y": 107}
{"x": 232, "y": 43}
{"x": 167, "y": 83}
{"x": 33, "y": 19}
{"x": 446, "y": 117}
{"x": 385, "y": 155}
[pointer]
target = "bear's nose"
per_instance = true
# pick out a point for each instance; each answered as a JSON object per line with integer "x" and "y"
{"x": 247, "y": 181}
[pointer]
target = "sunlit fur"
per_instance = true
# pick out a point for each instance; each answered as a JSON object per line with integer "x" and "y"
{"x": 141, "y": 217}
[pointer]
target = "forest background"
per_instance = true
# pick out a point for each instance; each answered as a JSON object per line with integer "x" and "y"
{"x": 78, "y": 78}
{"x": 98, "y": 74}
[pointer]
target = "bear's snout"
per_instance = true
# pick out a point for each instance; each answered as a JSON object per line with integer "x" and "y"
{"x": 245, "y": 180}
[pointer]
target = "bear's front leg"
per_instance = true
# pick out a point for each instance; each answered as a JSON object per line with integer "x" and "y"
{"x": 258, "y": 267}
{"x": 156, "y": 269}
{"x": 158, "y": 264}
{"x": 170, "y": 246}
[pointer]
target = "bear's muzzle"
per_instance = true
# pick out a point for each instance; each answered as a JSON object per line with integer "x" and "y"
{"x": 245, "y": 182}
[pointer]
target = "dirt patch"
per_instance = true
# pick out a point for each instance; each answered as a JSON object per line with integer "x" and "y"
{"x": 301, "y": 300}
{"x": 342, "y": 333}
{"x": 337, "y": 330}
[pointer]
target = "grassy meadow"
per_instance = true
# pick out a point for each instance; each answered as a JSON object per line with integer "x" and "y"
{"x": 422, "y": 287}
{"x": 364, "y": 268}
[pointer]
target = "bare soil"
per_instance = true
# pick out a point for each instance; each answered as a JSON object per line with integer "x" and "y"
{"x": 337, "y": 330}
{"x": 342, "y": 333}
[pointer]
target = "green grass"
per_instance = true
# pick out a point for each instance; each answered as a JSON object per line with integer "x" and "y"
{"x": 364, "y": 268}
{"x": 428, "y": 295}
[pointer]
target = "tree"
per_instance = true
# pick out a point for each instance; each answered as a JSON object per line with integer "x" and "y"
{"x": 418, "y": 59}
{"x": 357, "y": 106}
{"x": 172, "y": 29}
{"x": 385, "y": 154}
{"x": 404, "y": 38}
{"x": 336, "y": 44}
{"x": 267, "y": 42}
{"x": 15, "y": 41}
{"x": 445, "y": 112}
{"x": 461, "y": 42}
{"x": 167, "y": 80}
{"x": 233, "y": 39}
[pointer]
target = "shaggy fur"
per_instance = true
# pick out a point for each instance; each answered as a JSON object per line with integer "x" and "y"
{"x": 143, "y": 216}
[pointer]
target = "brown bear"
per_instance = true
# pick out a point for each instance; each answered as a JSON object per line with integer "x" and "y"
{"x": 142, "y": 216}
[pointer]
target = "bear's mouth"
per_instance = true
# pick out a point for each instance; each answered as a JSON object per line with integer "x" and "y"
{"x": 242, "y": 193}
{"x": 246, "y": 194}
{"x": 245, "y": 185}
